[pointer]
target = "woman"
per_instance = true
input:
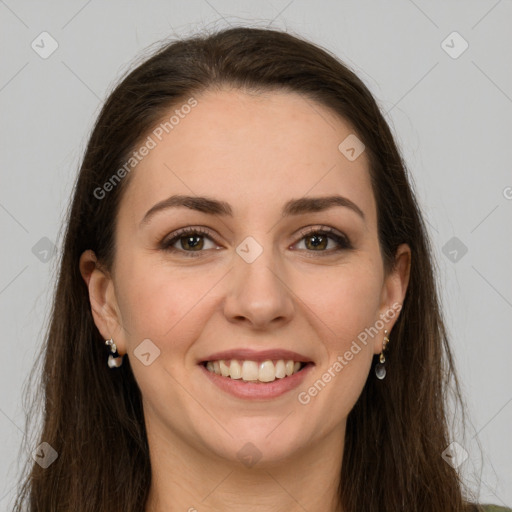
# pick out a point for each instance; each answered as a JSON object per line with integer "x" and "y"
{"x": 245, "y": 247}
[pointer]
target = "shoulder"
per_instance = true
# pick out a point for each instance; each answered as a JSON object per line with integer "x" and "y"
{"x": 495, "y": 508}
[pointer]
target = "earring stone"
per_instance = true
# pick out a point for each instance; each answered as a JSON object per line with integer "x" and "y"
{"x": 380, "y": 369}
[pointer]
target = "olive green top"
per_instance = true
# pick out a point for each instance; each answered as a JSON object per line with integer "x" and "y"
{"x": 496, "y": 508}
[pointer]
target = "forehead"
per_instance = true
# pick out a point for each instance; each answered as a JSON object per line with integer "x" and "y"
{"x": 253, "y": 150}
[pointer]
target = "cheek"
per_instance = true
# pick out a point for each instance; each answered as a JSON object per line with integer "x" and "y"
{"x": 155, "y": 300}
{"x": 338, "y": 382}
{"x": 345, "y": 299}
{"x": 346, "y": 304}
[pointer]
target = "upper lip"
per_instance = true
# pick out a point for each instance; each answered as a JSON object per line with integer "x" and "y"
{"x": 247, "y": 354}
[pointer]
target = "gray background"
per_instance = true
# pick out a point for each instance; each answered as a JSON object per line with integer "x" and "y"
{"x": 451, "y": 117}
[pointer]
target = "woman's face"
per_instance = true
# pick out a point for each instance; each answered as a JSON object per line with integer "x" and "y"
{"x": 260, "y": 281}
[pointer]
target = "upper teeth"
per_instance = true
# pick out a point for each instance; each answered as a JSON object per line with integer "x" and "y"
{"x": 265, "y": 371}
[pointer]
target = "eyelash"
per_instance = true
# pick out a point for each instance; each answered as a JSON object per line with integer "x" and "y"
{"x": 342, "y": 240}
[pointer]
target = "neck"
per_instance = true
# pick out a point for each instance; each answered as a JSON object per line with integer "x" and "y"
{"x": 184, "y": 479}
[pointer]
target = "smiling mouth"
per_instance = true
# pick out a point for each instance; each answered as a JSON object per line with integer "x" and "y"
{"x": 253, "y": 371}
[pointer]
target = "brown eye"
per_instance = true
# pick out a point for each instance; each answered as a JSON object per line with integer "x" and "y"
{"x": 193, "y": 242}
{"x": 317, "y": 241}
{"x": 324, "y": 240}
{"x": 188, "y": 241}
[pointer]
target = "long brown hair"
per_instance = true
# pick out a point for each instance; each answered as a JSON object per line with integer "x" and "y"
{"x": 93, "y": 417}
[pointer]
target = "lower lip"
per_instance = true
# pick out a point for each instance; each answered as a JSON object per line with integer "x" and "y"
{"x": 258, "y": 390}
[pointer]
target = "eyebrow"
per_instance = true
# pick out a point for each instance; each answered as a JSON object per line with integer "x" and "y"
{"x": 214, "y": 207}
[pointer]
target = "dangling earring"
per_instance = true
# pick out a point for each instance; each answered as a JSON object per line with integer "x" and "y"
{"x": 380, "y": 369}
{"x": 114, "y": 359}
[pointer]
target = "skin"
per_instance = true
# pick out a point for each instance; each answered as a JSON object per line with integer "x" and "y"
{"x": 254, "y": 151}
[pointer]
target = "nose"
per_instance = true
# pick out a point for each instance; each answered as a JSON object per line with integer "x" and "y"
{"x": 258, "y": 293}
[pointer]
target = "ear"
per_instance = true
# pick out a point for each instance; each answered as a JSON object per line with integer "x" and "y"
{"x": 393, "y": 292}
{"x": 103, "y": 301}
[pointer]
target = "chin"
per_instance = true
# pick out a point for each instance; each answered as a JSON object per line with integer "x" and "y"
{"x": 256, "y": 442}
